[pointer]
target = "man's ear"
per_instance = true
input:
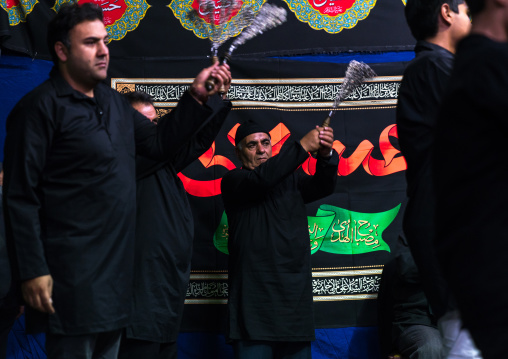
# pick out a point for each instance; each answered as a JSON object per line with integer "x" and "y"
{"x": 237, "y": 152}
{"x": 61, "y": 51}
{"x": 446, "y": 13}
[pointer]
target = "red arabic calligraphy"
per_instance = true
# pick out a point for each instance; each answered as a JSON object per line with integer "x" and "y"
{"x": 331, "y": 7}
{"x": 392, "y": 161}
{"x": 363, "y": 156}
{"x": 11, "y": 3}
{"x": 113, "y": 9}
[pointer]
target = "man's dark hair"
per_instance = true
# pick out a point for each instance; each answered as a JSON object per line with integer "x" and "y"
{"x": 69, "y": 15}
{"x": 422, "y": 16}
{"x": 475, "y": 6}
{"x": 139, "y": 97}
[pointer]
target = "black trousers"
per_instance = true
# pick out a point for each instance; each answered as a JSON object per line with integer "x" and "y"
{"x": 8, "y": 312}
{"x": 88, "y": 346}
{"x": 261, "y": 349}
{"x": 136, "y": 349}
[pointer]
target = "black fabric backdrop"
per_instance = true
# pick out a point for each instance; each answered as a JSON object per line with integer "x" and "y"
{"x": 159, "y": 33}
{"x": 298, "y": 95}
{"x": 161, "y": 57}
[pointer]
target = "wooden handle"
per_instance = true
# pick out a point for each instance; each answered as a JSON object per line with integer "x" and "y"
{"x": 210, "y": 83}
{"x": 326, "y": 122}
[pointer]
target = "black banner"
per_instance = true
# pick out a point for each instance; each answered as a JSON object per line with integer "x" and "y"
{"x": 352, "y": 232}
{"x": 158, "y": 28}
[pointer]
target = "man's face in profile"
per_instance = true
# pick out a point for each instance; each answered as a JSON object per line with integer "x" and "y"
{"x": 87, "y": 59}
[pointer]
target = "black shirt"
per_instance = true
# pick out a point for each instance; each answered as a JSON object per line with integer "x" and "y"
{"x": 420, "y": 95}
{"x": 471, "y": 151}
{"x": 270, "y": 283}
{"x": 70, "y": 201}
{"x": 471, "y": 182}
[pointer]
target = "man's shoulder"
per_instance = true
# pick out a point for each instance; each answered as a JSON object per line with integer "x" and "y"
{"x": 232, "y": 173}
{"x": 41, "y": 95}
{"x": 480, "y": 71}
{"x": 480, "y": 50}
{"x": 44, "y": 90}
{"x": 426, "y": 73}
{"x": 429, "y": 61}
{"x": 231, "y": 179}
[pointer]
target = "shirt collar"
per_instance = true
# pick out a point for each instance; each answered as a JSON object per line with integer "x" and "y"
{"x": 422, "y": 46}
{"x": 63, "y": 88}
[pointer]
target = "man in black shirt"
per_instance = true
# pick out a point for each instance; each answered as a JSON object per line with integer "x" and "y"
{"x": 470, "y": 174}
{"x": 164, "y": 234}
{"x": 69, "y": 187}
{"x": 438, "y": 25}
{"x": 270, "y": 283}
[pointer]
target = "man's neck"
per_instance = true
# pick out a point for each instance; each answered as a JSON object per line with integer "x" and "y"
{"x": 85, "y": 88}
{"x": 490, "y": 24}
{"x": 444, "y": 41}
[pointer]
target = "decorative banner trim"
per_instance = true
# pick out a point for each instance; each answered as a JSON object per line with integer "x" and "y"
{"x": 280, "y": 93}
{"x": 18, "y": 10}
{"x": 118, "y": 23}
{"x": 337, "y": 298}
{"x": 328, "y": 286}
{"x": 206, "y": 301}
{"x": 347, "y": 273}
{"x": 341, "y": 18}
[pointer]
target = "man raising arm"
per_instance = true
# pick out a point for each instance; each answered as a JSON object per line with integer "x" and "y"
{"x": 70, "y": 187}
{"x": 270, "y": 284}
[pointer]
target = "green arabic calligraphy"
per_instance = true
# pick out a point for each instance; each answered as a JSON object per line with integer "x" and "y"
{"x": 334, "y": 230}
{"x": 350, "y": 232}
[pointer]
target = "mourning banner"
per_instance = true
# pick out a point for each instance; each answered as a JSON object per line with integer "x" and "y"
{"x": 161, "y": 28}
{"x": 352, "y": 232}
